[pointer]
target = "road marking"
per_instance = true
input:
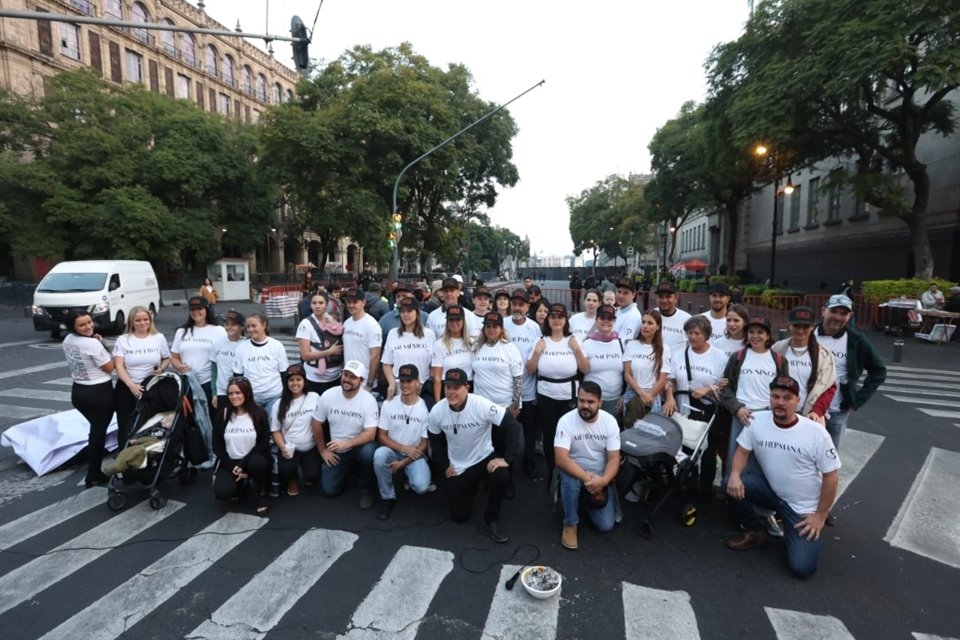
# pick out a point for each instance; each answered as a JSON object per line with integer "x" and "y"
{"x": 925, "y": 392}
{"x": 655, "y": 613}
{"x": 936, "y": 413}
{"x": 927, "y": 636}
{"x": 66, "y": 382}
{"x": 928, "y": 522}
{"x": 20, "y": 343}
{"x": 13, "y": 533}
{"x": 26, "y": 582}
{"x": 796, "y": 625}
{"x": 515, "y": 614}
{"x": 858, "y": 448}
{"x": 893, "y": 367}
{"x": 264, "y": 600}
{"x": 36, "y": 394}
{"x": 40, "y": 367}
{"x": 915, "y": 400}
{"x": 23, "y": 413}
{"x": 915, "y": 382}
{"x": 112, "y": 615}
{"x": 899, "y": 378}
{"x": 412, "y": 578}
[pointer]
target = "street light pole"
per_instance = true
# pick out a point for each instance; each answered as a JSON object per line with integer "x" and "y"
{"x": 395, "y": 261}
{"x": 773, "y": 232}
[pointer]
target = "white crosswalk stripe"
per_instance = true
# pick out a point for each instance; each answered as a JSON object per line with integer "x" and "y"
{"x": 933, "y": 392}
{"x": 655, "y": 613}
{"x": 515, "y": 615}
{"x": 796, "y": 625}
{"x": 858, "y": 448}
{"x": 36, "y": 394}
{"x": 25, "y": 582}
{"x": 13, "y": 533}
{"x": 937, "y": 413}
{"x": 24, "y": 413}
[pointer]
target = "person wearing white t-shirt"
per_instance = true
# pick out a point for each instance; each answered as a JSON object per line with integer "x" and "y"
{"x": 462, "y": 444}
{"x": 735, "y": 336}
{"x": 524, "y": 333}
{"x": 224, "y": 355}
{"x": 402, "y": 435}
{"x": 673, "y": 317}
{"x": 452, "y": 350}
{"x": 646, "y": 364}
{"x": 193, "y": 343}
{"x": 140, "y": 352}
{"x": 605, "y": 350}
{"x": 290, "y": 425}
{"x": 497, "y": 366}
{"x": 797, "y": 474}
{"x": 559, "y": 362}
{"x": 627, "y": 325}
{"x": 322, "y": 354}
{"x": 717, "y": 315}
{"x": 811, "y": 365}
{"x": 261, "y": 359}
{"x": 450, "y": 295}
{"x": 241, "y": 441}
{"x": 349, "y": 414}
{"x": 410, "y": 343}
{"x": 362, "y": 338}
{"x": 583, "y": 323}
{"x": 587, "y": 449}
{"x": 92, "y": 392}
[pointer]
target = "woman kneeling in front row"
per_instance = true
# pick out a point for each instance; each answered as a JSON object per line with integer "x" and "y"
{"x": 241, "y": 441}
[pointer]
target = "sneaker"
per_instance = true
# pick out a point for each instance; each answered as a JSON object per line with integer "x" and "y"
{"x": 569, "y": 536}
{"x": 492, "y": 529}
{"x": 366, "y": 499}
{"x": 773, "y": 526}
{"x": 432, "y": 487}
{"x": 293, "y": 488}
{"x": 386, "y": 506}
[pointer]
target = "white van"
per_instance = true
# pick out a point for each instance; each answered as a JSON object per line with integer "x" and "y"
{"x": 106, "y": 289}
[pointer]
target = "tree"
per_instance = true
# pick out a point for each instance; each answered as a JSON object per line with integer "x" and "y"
{"x": 849, "y": 78}
{"x": 606, "y": 215}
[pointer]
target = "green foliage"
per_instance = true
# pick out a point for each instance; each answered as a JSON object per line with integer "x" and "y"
{"x": 689, "y": 286}
{"x": 609, "y": 216}
{"x": 753, "y": 290}
{"x": 781, "y": 299}
{"x": 730, "y": 281}
{"x": 883, "y": 290}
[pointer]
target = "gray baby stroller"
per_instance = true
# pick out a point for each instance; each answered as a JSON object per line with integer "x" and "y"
{"x": 662, "y": 455}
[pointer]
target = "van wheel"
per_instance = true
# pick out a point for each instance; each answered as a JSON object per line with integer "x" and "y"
{"x": 119, "y": 324}
{"x": 153, "y": 311}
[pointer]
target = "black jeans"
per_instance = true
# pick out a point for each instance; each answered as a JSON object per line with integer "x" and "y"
{"x": 95, "y": 403}
{"x": 531, "y": 430}
{"x": 225, "y": 484}
{"x": 320, "y": 387}
{"x": 549, "y": 412}
{"x": 462, "y": 488}
{"x": 126, "y": 404}
{"x": 308, "y": 461}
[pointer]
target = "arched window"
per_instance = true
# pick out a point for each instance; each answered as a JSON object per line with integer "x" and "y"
{"x": 246, "y": 78}
{"x": 113, "y": 9}
{"x": 228, "y": 69}
{"x": 188, "y": 49}
{"x": 289, "y": 96}
{"x": 210, "y": 59}
{"x": 277, "y": 94}
{"x": 261, "y": 88}
{"x": 168, "y": 39}
{"x": 139, "y": 14}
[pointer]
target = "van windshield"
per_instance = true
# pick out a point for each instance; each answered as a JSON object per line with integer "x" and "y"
{"x": 72, "y": 282}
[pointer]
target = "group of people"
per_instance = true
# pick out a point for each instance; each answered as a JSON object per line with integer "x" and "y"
{"x": 469, "y": 394}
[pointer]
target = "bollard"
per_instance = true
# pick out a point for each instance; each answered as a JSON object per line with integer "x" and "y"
{"x": 897, "y": 350}
{"x": 689, "y": 307}
{"x": 781, "y": 334}
{"x": 701, "y": 309}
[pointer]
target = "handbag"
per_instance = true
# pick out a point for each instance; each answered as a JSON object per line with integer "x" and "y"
{"x": 635, "y": 410}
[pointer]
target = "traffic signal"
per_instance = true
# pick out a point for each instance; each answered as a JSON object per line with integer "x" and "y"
{"x": 397, "y": 222}
{"x": 301, "y": 57}
{"x": 391, "y": 239}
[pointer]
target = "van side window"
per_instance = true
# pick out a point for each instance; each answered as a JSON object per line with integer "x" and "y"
{"x": 114, "y": 282}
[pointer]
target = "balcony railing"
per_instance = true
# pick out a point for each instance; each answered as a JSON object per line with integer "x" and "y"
{"x": 168, "y": 48}
{"x": 190, "y": 59}
{"x": 83, "y": 6}
{"x": 143, "y": 36}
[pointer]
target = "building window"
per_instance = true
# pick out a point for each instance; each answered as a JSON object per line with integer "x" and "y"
{"x": 183, "y": 87}
{"x": 188, "y": 49}
{"x": 256, "y": 116}
{"x": 261, "y": 88}
{"x": 228, "y": 70}
{"x": 168, "y": 40}
{"x": 289, "y": 96}
{"x": 210, "y": 60}
{"x": 134, "y": 66}
{"x": 833, "y": 209}
{"x": 277, "y": 94}
{"x": 83, "y": 6}
{"x": 113, "y": 9}
{"x": 69, "y": 40}
{"x": 224, "y": 104}
{"x": 813, "y": 202}
{"x": 795, "y": 209}
{"x": 246, "y": 78}
{"x": 139, "y": 14}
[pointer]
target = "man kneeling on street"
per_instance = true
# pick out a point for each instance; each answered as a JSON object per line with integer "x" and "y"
{"x": 797, "y": 476}
{"x": 460, "y": 431}
{"x": 587, "y": 450}
{"x": 403, "y": 438}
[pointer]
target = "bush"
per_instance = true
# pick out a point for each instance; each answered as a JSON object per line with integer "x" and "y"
{"x": 730, "y": 281}
{"x": 752, "y": 290}
{"x": 689, "y": 286}
{"x": 781, "y": 298}
{"x": 883, "y": 290}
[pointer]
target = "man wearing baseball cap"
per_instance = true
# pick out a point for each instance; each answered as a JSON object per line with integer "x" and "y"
{"x": 672, "y": 316}
{"x": 402, "y": 434}
{"x": 852, "y": 354}
{"x": 461, "y": 439}
{"x": 349, "y": 414}
{"x": 362, "y": 339}
{"x": 797, "y": 474}
{"x": 627, "y": 325}
{"x": 524, "y": 333}
{"x": 719, "y": 294}
{"x": 437, "y": 320}
{"x": 391, "y": 319}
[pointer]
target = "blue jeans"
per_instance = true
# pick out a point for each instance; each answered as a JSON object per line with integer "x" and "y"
{"x": 736, "y": 428}
{"x": 603, "y": 519}
{"x": 333, "y": 478}
{"x": 802, "y": 554}
{"x": 836, "y": 425}
{"x": 418, "y": 472}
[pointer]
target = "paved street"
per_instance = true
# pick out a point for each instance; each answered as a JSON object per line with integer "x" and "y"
{"x": 322, "y": 568}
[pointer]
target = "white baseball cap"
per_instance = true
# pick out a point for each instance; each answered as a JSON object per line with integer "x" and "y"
{"x": 356, "y": 367}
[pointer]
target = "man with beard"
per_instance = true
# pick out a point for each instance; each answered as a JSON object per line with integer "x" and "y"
{"x": 719, "y": 302}
{"x": 587, "y": 453}
{"x": 797, "y": 476}
{"x": 524, "y": 333}
{"x": 673, "y": 317}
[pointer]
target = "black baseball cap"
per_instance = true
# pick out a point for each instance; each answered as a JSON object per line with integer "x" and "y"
{"x": 557, "y": 309}
{"x": 627, "y": 283}
{"x": 719, "y": 287}
{"x": 455, "y": 376}
{"x": 758, "y": 321}
{"x": 450, "y": 283}
{"x": 454, "y": 312}
{"x": 666, "y": 287}
{"x": 234, "y": 316}
{"x": 198, "y": 302}
{"x": 501, "y": 293}
{"x": 353, "y": 292}
{"x": 493, "y": 318}
{"x": 401, "y": 288}
{"x": 407, "y": 303}
{"x": 520, "y": 294}
{"x": 408, "y": 372}
{"x": 607, "y": 310}
{"x": 785, "y": 382}
{"x": 296, "y": 370}
{"x": 481, "y": 291}
{"x": 802, "y": 315}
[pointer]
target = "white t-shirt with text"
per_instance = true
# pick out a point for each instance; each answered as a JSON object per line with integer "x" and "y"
{"x": 296, "y": 427}
{"x": 467, "y": 431}
{"x": 141, "y": 355}
{"x": 588, "y": 443}
{"x": 195, "y": 347}
{"x": 494, "y": 368}
{"x": 406, "y": 425}
{"x": 347, "y": 417}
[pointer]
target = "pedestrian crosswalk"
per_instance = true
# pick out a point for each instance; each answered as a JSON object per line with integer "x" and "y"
{"x": 934, "y": 392}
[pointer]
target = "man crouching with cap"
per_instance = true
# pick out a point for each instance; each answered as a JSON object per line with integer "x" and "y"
{"x": 460, "y": 432}
{"x": 798, "y": 477}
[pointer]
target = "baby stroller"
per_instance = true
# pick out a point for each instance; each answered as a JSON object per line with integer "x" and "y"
{"x": 662, "y": 454}
{"x": 163, "y": 439}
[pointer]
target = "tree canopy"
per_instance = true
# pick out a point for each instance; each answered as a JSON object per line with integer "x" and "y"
{"x": 608, "y": 217}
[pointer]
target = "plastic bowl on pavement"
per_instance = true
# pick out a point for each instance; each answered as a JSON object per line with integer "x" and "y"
{"x": 541, "y": 582}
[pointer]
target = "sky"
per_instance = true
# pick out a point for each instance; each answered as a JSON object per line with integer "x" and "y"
{"x": 615, "y": 71}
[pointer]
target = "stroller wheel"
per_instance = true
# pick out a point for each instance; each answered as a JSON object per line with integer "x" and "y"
{"x": 188, "y": 475}
{"x": 158, "y": 500}
{"x": 645, "y": 529}
{"x": 117, "y": 501}
{"x": 688, "y": 515}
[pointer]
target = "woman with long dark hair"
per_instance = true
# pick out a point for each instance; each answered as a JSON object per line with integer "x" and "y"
{"x": 584, "y": 322}
{"x": 193, "y": 343}
{"x": 241, "y": 441}
{"x": 735, "y": 336}
{"x": 408, "y": 343}
{"x": 319, "y": 337}
{"x": 811, "y": 365}
{"x": 292, "y": 433}
{"x": 539, "y": 311}
{"x": 140, "y": 352}
{"x": 261, "y": 359}
{"x": 646, "y": 363}
{"x": 92, "y": 393}
{"x": 605, "y": 350}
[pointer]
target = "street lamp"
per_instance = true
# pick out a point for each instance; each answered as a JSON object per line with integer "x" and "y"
{"x": 776, "y": 161}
